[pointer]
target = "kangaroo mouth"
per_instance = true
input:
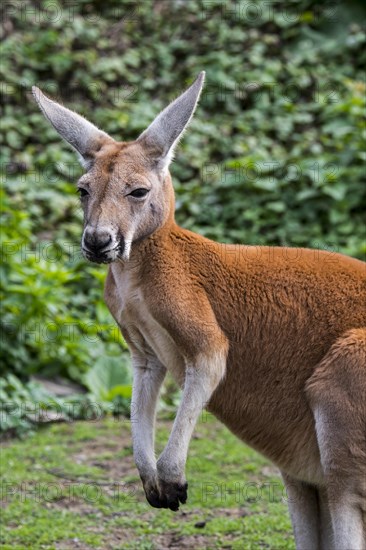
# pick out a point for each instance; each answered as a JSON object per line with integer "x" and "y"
{"x": 105, "y": 257}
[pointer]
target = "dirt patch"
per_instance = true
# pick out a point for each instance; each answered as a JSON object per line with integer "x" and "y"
{"x": 73, "y": 543}
{"x": 118, "y": 468}
{"x": 78, "y": 506}
{"x": 198, "y": 542}
{"x": 119, "y": 465}
{"x": 171, "y": 540}
{"x": 230, "y": 512}
{"x": 112, "y": 541}
{"x": 114, "y": 457}
{"x": 117, "y": 476}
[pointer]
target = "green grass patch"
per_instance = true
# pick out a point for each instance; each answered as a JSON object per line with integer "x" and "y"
{"x": 76, "y": 486}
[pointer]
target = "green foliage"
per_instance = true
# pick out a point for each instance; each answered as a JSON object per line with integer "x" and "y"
{"x": 109, "y": 382}
{"x": 25, "y": 405}
{"x": 106, "y": 379}
{"x": 275, "y": 154}
{"x": 53, "y": 318}
{"x": 13, "y": 397}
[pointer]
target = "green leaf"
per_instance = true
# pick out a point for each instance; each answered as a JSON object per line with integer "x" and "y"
{"x": 107, "y": 374}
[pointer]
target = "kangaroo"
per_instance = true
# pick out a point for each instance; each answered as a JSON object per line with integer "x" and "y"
{"x": 271, "y": 340}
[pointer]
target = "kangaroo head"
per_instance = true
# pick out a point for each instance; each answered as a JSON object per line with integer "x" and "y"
{"x": 126, "y": 192}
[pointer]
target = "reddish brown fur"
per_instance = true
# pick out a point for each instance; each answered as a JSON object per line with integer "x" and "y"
{"x": 289, "y": 320}
{"x": 280, "y": 309}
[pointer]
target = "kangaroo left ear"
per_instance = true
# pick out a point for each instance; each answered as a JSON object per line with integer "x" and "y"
{"x": 163, "y": 134}
{"x": 81, "y": 134}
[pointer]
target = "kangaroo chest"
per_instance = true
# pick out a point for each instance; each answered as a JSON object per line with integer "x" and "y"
{"x": 139, "y": 327}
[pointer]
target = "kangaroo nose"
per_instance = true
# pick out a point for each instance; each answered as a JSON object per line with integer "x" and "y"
{"x": 96, "y": 241}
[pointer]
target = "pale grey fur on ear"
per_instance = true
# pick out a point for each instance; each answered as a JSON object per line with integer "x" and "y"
{"x": 81, "y": 134}
{"x": 164, "y": 132}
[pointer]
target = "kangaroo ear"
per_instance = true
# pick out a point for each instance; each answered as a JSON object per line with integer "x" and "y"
{"x": 161, "y": 137}
{"x": 81, "y": 134}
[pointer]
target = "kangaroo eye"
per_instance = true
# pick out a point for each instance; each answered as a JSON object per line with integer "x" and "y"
{"x": 139, "y": 193}
{"x": 82, "y": 192}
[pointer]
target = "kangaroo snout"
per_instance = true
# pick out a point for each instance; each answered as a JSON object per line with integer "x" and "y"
{"x": 100, "y": 245}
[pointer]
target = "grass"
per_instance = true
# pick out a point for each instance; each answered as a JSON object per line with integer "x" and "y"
{"x": 75, "y": 486}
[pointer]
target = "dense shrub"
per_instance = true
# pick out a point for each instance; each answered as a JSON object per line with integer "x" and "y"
{"x": 275, "y": 154}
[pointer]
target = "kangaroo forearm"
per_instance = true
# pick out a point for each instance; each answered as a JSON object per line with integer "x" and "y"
{"x": 148, "y": 378}
{"x": 201, "y": 380}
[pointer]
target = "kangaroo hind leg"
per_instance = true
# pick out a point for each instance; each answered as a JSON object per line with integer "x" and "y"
{"x": 303, "y": 506}
{"x": 337, "y": 394}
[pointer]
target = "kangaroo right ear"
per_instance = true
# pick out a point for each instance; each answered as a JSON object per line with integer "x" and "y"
{"x": 163, "y": 134}
{"x": 81, "y": 134}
